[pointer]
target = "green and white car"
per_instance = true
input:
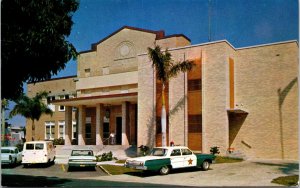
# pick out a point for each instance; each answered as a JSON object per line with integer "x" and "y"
{"x": 163, "y": 159}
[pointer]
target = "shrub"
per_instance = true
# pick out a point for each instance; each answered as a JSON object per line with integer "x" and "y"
{"x": 20, "y": 147}
{"x": 59, "y": 141}
{"x": 105, "y": 157}
{"x": 144, "y": 150}
{"x": 214, "y": 150}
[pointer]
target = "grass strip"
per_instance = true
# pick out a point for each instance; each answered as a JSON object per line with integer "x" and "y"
{"x": 117, "y": 170}
{"x": 222, "y": 159}
{"x": 287, "y": 180}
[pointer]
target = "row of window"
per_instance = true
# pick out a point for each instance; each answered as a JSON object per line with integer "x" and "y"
{"x": 61, "y": 108}
{"x": 50, "y": 130}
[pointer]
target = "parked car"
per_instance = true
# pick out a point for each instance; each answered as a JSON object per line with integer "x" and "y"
{"x": 38, "y": 152}
{"x": 10, "y": 155}
{"x": 163, "y": 159}
{"x": 82, "y": 158}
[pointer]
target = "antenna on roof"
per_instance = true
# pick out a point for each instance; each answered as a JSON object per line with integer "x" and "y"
{"x": 209, "y": 20}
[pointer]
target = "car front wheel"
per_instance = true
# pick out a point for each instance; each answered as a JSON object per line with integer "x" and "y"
{"x": 164, "y": 170}
{"x": 205, "y": 165}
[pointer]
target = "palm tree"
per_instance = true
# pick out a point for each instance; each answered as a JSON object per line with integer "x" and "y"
{"x": 166, "y": 69}
{"x": 31, "y": 108}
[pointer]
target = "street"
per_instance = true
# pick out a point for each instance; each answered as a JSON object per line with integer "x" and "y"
{"x": 58, "y": 176}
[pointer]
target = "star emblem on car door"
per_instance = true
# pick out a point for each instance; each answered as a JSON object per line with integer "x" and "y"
{"x": 190, "y": 161}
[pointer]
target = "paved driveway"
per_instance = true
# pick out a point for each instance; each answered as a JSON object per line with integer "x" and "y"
{"x": 246, "y": 173}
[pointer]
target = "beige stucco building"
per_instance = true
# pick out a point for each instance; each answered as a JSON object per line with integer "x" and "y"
{"x": 240, "y": 99}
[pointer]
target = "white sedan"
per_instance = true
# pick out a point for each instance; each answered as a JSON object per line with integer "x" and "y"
{"x": 10, "y": 155}
{"x": 82, "y": 158}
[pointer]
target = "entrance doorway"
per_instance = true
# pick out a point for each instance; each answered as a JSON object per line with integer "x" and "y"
{"x": 119, "y": 130}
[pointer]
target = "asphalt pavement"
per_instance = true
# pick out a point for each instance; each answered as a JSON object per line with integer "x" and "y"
{"x": 246, "y": 173}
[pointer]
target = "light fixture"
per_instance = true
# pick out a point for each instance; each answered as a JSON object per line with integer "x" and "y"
{"x": 107, "y": 112}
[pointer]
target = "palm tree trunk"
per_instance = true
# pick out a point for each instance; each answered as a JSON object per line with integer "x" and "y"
{"x": 163, "y": 119}
{"x": 33, "y": 130}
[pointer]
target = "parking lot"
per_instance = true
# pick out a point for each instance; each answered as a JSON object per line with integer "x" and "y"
{"x": 246, "y": 173}
{"x": 55, "y": 170}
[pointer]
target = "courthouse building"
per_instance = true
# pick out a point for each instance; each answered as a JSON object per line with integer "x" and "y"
{"x": 240, "y": 99}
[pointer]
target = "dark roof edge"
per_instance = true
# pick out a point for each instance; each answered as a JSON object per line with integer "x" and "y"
{"x": 65, "y": 77}
{"x": 159, "y": 34}
{"x": 176, "y": 35}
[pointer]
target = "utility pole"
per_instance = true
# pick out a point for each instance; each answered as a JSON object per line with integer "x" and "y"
{"x": 209, "y": 20}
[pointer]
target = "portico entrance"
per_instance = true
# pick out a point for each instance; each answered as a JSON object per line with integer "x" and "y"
{"x": 101, "y": 117}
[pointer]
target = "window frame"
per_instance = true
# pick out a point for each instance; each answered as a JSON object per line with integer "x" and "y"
{"x": 51, "y": 125}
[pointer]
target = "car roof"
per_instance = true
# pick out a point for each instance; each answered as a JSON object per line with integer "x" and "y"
{"x": 33, "y": 142}
{"x": 9, "y": 147}
{"x": 173, "y": 147}
{"x": 82, "y": 150}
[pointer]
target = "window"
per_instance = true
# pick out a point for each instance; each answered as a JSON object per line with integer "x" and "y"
{"x": 186, "y": 152}
{"x": 61, "y": 129}
{"x": 61, "y": 108}
{"x": 195, "y": 123}
{"x": 194, "y": 85}
{"x": 29, "y": 146}
{"x": 49, "y": 133}
{"x": 176, "y": 152}
{"x": 87, "y": 72}
{"x": 39, "y": 146}
{"x": 74, "y": 130}
{"x": 88, "y": 127}
{"x": 51, "y": 106}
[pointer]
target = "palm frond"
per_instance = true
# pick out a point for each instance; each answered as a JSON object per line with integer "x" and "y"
{"x": 180, "y": 67}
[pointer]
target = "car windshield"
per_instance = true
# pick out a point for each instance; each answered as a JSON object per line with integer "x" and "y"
{"x": 5, "y": 151}
{"x": 82, "y": 153}
{"x": 158, "y": 152}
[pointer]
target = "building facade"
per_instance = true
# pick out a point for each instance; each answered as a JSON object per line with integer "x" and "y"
{"x": 239, "y": 99}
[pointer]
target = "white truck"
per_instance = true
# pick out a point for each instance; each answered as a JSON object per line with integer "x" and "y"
{"x": 38, "y": 152}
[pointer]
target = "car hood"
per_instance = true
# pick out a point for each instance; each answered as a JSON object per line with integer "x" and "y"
{"x": 145, "y": 158}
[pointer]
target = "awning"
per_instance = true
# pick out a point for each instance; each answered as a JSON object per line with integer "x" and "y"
{"x": 93, "y": 100}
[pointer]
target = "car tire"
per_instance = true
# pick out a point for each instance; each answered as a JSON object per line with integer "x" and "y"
{"x": 205, "y": 165}
{"x": 164, "y": 170}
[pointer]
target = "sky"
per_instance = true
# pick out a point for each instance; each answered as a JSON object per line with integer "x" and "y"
{"x": 241, "y": 22}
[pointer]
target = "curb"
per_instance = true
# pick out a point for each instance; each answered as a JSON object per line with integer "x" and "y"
{"x": 102, "y": 168}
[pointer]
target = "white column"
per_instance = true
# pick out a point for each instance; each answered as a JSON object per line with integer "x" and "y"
{"x": 99, "y": 124}
{"x": 81, "y": 125}
{"x": 124, "y": 123}
{"x": 68, "y": 125}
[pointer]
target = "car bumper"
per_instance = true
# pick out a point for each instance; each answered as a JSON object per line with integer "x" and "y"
{"x": 4, "y": 162}
{"x": 135, "y": 167}
{"x": 82, "y": 164}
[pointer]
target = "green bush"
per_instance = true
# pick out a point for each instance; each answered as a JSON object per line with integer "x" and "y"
{"x": 105, "y": 157}
{"x": 20, "y": 147}
{"x": 144, "y": 150}
{"x": 59, "y": 141}
{"x": 214, "y": 150}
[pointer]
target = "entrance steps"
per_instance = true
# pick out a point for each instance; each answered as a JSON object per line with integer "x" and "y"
{"x": 120, "y": 152}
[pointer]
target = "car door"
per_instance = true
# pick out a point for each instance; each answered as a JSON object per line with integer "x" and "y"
{"x": 189, "y": 158}
{"x": 18, "y": 155}
{"x": 176, "y": 158}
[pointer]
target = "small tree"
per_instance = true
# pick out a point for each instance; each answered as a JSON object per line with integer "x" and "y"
{"x": 166, "y": 69}
{"x": 31, "y": 108}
